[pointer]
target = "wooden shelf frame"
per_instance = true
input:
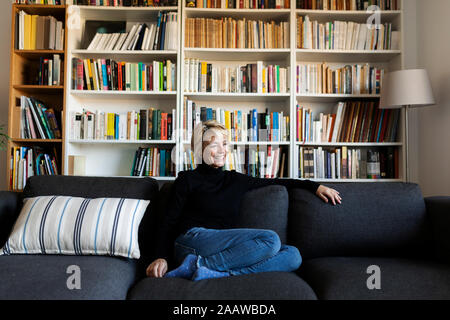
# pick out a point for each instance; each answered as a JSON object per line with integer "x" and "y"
{"x": 53, "y": 95}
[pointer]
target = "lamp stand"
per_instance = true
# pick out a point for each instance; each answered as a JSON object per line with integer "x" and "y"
{"x": 407, "y": 107}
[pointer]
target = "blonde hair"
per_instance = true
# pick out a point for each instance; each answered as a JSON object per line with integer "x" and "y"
{"x": 197, "y": 137}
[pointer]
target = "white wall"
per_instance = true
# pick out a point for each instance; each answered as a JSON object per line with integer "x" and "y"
{"x": 5, "y": 42}
{"x": 433, "y": 26}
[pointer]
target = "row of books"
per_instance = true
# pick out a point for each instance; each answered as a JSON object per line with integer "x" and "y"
{"x": 126, "y": 3}
{"x": 343, "y": 35}
{"x": 353, "y": 121}
{"x": 255, "y": 161}
{"x": 145, "y": 124}
{"x": 34, "y": 32}
{"x": 349, "y": 79}
{"x": 242, "y": 126}
{"x": 201, "y": 76}
{"x": 37, "y": 121}
{"x": 48, "y": 2}
{"x": 162, "y": 35}
{"x": 347, "y": 4}
{"x": 153, "y": 162}
{"x": 346, "y": 163}
{"x": 239, "y": 4}
{"x": 232, "y": 33}
{"x": 30, "y": 161}
{"x": 259, "y": 161}
{"x": 50, "y": 71}
{"x": 107, "y": 74}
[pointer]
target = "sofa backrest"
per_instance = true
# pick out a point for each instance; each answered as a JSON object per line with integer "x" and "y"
{"x": 384, "y": 219}
{"x": 265, "y": 208}
{"x": 262, "y": 208}
{"x": 100, "y": 187}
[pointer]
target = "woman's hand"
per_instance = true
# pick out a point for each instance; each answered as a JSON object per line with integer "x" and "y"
{"x": 324, "y": 193}
{"x": 157, "y": 269}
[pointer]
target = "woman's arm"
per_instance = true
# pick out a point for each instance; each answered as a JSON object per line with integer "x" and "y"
{"x": 321, "y": 191}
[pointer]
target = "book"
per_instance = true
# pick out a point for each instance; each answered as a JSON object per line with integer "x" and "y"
{"x": 152, "y": 162}
{"x": 348, "y": 163}
{"x": 216, "y": 78}
{"x": 242, "y": 125}
{"x": 124, "y": 3}
{"x": 342, "y": 35}
{"x": 352, "y": 121}
{"x": 111, "y": 75}
{"x": 346, "y": 4}
{"x": 30, "y": 161}
{"x": 349, "y": 79}
{"x": 205, "y": 33}
{"x": 143, "y": 124}
{"x": 37, "y": 121}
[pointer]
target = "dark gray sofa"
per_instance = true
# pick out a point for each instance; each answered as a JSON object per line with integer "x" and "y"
{"x": 388, "y": 225}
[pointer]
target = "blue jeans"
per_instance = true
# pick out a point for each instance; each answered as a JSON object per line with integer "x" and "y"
{"x": 238, "y": 251}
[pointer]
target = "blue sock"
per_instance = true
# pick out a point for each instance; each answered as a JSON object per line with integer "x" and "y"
{"x": 186, "y": 269}
{"x": 203, "y": 273}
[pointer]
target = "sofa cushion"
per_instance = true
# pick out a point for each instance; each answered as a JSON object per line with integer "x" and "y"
{"x": 339, "y": 278}
{"x": 45, "y": 277}
{"x": 101, "y": 187}
{"x": 258, "y": 286}
{"x": 78, "y": 226}
{"x": 386, "y": 219}
{"x": 265, "y": 208}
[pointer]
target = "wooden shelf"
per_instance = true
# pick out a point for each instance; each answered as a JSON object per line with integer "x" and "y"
{"x": 51, "y": 7}
{"x": 37, "y": 53}
{"x": 39, "y": 89}
{"x": 37, "y": 140}
{"x": 21, "y": 63}
{"x": 42, "y": 9}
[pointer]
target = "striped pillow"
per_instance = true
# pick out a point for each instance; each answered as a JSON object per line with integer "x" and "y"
{"x": 77, "y": 226}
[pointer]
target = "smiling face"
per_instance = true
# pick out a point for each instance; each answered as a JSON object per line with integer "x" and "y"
{"x": 215, "y": 147}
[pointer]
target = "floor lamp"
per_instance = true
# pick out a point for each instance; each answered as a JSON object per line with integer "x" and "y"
{"x": 409, "y": 89}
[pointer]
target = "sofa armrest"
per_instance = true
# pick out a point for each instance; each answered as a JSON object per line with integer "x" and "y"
{"x": 10, "y": 205}
{"x": 438, "y": 211}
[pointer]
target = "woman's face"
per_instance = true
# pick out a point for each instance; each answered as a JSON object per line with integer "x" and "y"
{"x": 214, "y": 148}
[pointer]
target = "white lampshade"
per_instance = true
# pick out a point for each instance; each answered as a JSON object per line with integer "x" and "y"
{"x": 406, "y": 88}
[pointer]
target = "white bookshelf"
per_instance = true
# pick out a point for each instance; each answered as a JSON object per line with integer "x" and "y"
{"x": 389, "y": 60}
{"x": 114, "y": 158}
{"x": 280, "y": 102}
{"x": 236, "y": 54}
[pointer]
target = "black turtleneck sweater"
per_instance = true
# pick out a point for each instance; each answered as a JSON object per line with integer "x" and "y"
{"x": 210, "y": 197}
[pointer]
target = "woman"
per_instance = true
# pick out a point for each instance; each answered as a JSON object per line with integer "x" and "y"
{"x": 203, "y": 211}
